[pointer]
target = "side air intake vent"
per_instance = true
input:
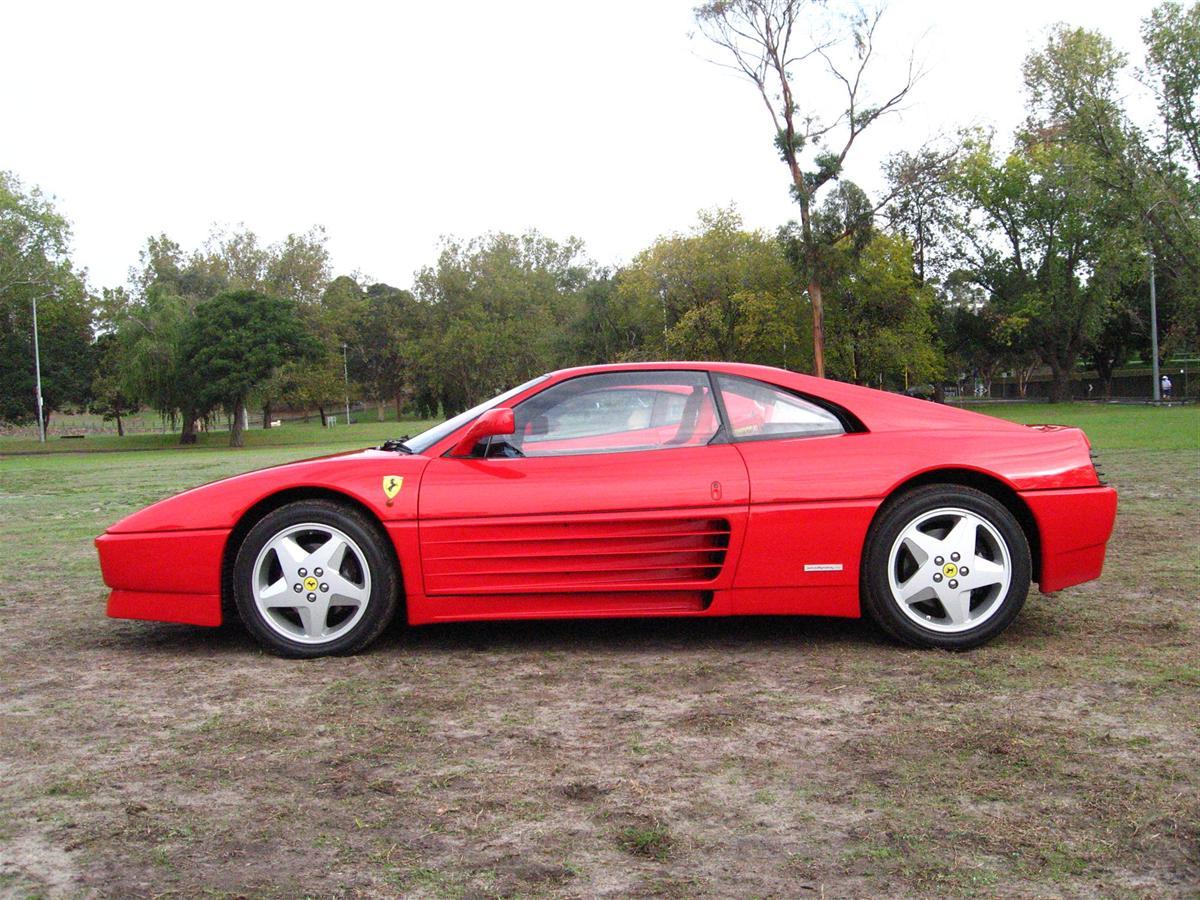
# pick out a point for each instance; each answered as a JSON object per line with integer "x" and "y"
{"x": 623, "y": 554}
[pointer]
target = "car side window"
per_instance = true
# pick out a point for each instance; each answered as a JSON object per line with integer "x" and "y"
{"x": 617, "y": 412}
{"x": 759, "y": 410}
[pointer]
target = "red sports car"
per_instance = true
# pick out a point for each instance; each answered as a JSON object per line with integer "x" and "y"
{"x": 650, "y": 489}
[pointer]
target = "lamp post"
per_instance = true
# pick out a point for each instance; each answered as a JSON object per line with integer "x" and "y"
{"x": 1156, "y": 392}
{"x": 346, "y": 376}
{"x": 37, "y": 367}
{"x": 1154, "y": 333}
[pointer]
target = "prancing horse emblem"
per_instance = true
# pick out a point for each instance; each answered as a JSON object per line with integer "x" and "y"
{"x": 391, "y": 487}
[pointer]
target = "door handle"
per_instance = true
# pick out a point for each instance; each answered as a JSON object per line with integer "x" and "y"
{"x": 714, "y": 490}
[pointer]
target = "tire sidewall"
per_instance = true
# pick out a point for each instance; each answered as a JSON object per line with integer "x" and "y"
{"x": 877, "y": 593}
{"x": 381, "y": 605}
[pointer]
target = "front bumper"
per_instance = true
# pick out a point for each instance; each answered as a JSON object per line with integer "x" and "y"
{"x": 164, "y": 576}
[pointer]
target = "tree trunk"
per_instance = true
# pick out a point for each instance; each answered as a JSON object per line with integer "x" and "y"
{"x": 818, "y": 314}
{"x": 399, "y": 403}
{"x": 235, "y": 430}
{"x": 321, "y": 410}
{"x": 46, "y": 420}
{"x": 267, "y": 414}
{"x": 1060, "y": 383}
{"x": 939, "y": 393}
{"x": 120, "y": 424}
{"x": 188, "y": 435}
{"x": 1105, "y": 369}
{"x": 379, "y": 408}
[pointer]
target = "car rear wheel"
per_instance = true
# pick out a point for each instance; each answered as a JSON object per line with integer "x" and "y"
{"x": 314, "y": 578}
{"x": 946, "y": 566}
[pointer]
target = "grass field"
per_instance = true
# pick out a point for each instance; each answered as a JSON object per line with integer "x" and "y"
{"x": 765, "y": 757}
{"x": 292, "y": 434}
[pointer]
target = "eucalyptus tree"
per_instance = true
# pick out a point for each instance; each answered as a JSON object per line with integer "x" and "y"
{"x": 794, "y": 71}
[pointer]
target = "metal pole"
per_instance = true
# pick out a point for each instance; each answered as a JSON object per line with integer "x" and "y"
{"x": 346, "y": 376}
{"x": 1154, "y": 331}
{"x": 37, "y": 366}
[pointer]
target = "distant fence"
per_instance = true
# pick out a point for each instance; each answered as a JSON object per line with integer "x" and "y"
{"x": 65, "y": 424}
{"x": 1127, "y": 384}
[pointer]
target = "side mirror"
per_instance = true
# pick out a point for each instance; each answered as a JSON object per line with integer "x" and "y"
{"x": 494, "y": 421}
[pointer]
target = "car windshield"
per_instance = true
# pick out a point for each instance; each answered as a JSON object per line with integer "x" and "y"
{"x": 427, "y": 439}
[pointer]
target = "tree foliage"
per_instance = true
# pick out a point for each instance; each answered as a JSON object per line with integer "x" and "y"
{"x": 35, "y": 265}
{"x": 236, "y": 341}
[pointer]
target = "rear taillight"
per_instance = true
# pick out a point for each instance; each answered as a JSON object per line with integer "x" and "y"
{"x": 1096, "y": 465}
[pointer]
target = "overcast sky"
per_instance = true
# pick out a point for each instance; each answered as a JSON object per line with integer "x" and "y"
{"x": 392, "y": 124}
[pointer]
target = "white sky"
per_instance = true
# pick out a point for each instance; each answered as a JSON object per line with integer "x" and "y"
{"x": 392, "y": 124}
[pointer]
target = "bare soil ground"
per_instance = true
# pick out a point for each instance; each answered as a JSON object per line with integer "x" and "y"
{"x": 768, "y": 757}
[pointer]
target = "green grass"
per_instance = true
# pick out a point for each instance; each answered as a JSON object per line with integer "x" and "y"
{"x": 1112, "y": 426}
{"x": 360, "y": 434}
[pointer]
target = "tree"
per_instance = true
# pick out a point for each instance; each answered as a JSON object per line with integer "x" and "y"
{"x": 919, "y": 205}
{"x": 978, "y": 339}
{"x": 35, "y": 265}
{"x": 1034, "y": 228}
{"x": 332, "y": 318}
{"x": 168, "y": 287}
{"x": 236, "y": 341}
{"x": 110, "y": 395}
{"x": 1171, "y": 34}
{"x": 389, "y": 329}
{"x": 760, "y": 37}
{"x": 709, "y": 293}
{"x": 880, "y": 307}
{"x": 1121, "y": 331}
{"x": 1171, "y": 200}
{"x": 497, "y": 308}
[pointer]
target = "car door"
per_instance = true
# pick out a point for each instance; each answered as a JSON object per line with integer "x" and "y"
{"x": 610, "y": 493}
{"x": 807, "y": 514}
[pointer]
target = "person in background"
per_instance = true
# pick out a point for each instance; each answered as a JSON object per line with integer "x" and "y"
{"x": 1166, "y": 387}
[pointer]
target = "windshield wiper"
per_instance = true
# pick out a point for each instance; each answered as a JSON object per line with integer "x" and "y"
{"x": 397, "y": 444}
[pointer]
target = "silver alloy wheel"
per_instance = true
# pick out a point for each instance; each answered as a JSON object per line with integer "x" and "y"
{"x": 311, "y": 583}
{"x": 949, "y": 570}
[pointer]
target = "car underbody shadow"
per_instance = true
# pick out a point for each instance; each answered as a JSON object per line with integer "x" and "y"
{"x": 634, "y": 634}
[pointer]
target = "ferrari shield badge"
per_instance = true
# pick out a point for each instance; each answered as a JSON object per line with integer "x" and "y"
{"x": 391, "y": 487}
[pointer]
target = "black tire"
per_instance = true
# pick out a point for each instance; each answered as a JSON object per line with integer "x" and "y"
{"x": 887, "y": 610}
{"x": 382, "y": 575}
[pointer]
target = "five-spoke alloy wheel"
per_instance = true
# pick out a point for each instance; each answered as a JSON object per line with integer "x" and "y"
{"x": 946, "y": 566}
{"x": 312, "y": 578}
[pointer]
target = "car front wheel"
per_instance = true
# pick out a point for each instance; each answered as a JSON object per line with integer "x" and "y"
{"x": 946, "y": 566}
{"x": 313, "y": 578}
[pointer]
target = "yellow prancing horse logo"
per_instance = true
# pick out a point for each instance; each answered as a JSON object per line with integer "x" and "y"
{"x": 950, "y": 570}
{"x": 310, "y": 583}
{"x": 391, "y": 486}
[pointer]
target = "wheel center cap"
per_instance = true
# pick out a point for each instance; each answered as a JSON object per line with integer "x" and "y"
{"x": 949, "y": 570}
{"x": 310, "y": 583}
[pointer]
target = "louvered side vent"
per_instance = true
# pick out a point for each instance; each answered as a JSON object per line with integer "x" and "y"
{"x": 1099, "y": 471}
{"x": 476, "y": 558}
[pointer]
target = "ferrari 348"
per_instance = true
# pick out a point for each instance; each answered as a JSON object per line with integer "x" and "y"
{"x": 649, "y": 489}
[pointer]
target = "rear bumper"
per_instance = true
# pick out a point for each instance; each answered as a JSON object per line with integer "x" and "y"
{"x": 165, "y": 576}
{"x": 1074, "y": 526}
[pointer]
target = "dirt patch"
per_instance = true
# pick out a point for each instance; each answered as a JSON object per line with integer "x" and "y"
{"x": 771, "y": 757}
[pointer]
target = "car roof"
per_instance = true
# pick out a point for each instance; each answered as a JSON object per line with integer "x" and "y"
{"x": 878, "y": 410}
